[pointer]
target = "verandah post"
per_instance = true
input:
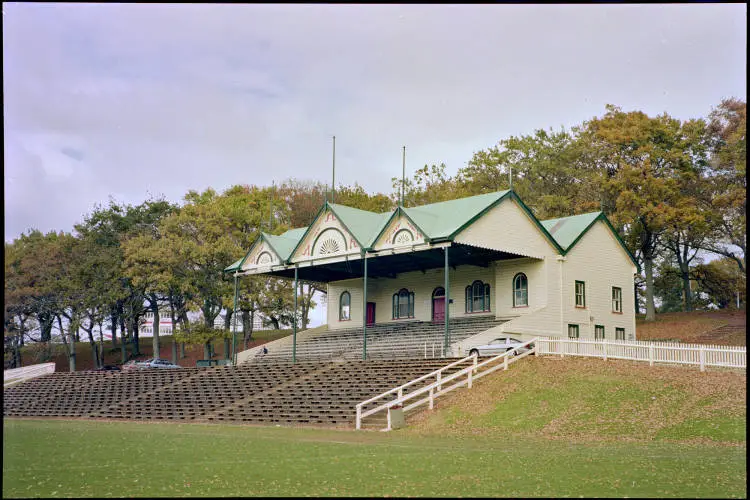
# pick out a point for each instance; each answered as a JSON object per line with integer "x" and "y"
{"x": 364, "y": 309}
{"x": 446, "y": 316}
{"x": 234, "y": 320}
{"x": 294, "y": 319}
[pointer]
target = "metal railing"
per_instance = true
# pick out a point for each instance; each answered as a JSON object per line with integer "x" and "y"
{"x": 15, "y": 375}
{"x": 437, "y": 388}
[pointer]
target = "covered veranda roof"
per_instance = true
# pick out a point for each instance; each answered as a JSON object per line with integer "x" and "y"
{"x": 388, "y": 264}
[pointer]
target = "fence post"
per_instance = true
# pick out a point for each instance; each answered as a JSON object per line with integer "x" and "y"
{"x": 389, "y": 420}
{"x": 651, "y": 355}
{"x": 359, "y": 417}
{"x": 562, "y": 348}
{"x": 432, "y": 399}
{"x": 476, "y": 361}
{"x": 400, "y": 393}
{"x": 604, "y": 347}
{"x": 470, "y": 372}
{"x": 505, "y": 362}
{"x": 439, "y": 379}
{"x": 702, "y": 353}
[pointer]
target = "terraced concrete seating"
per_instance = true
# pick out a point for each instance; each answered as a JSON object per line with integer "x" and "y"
{"x": 306, "y": 393}
{"x": 212, "y": 388}
{"x": 80, "y": 394}
{"x": 329, "y": 395}
{"x": 414, "y": 339}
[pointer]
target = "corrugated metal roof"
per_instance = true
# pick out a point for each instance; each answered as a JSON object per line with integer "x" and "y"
{"x": 440, "y": 220}
{"x": 566, "y": 230}
{"x": 436, "y": 220}
{"x": 363, "y": 225}
{"x": 234, "y": 266}
{"x": 284, "y": 243}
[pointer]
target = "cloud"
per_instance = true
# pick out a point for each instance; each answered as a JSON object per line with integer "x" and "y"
{"x": 165, "y": 98}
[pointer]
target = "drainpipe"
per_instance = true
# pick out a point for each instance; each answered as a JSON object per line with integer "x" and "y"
{"x": 561, "y": 259}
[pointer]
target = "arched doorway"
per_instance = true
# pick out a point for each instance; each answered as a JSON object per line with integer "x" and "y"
{"x": 438, "y": 304}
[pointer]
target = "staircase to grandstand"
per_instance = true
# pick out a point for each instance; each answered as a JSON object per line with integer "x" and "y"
{"x": 322, "y": 389}
{"x": 413, "y": 339}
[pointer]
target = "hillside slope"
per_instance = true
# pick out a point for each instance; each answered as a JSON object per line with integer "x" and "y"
{"x": 579, "y": 399}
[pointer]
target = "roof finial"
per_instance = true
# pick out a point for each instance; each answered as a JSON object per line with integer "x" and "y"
{"x": 403, "y": 174}
{"x": 333, "y": 180}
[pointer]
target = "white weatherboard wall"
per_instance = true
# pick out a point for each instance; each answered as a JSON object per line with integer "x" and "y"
{"x": 506, "y": 227}
{"x": 381, "y": 290}
{"x": 509, "y": 228}
{"x": 599, "y": 261}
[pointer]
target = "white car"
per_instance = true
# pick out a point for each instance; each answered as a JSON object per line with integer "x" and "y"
{"x": 156, "y": 363}
{"x": 499, "y": 346}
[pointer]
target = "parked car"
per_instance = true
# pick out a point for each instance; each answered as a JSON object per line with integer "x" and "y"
{"x": 109, "y": 368}
{"x": 130, "y": 365}
{"x": 156, "y": 363}
{"x": 499, "y": 346}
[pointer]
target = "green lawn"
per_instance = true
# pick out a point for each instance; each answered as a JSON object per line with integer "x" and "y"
{"x": 57, "y": 458}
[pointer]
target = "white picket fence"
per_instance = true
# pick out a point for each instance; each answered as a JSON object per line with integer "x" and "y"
{"x": 653, "y": 352}
{"x": 15, "y": 375}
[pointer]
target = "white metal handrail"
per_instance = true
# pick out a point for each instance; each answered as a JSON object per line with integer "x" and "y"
{"x": 440, "y": 382}
{"x": 25, "y": 372}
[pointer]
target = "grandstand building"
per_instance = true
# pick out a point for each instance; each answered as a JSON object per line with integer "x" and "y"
{"x": 480, "y": 257}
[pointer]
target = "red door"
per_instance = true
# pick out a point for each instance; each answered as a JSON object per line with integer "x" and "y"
{"x": 371, "y": 313}
{"x": 438, "y": 309}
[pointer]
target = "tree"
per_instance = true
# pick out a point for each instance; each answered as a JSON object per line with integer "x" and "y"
{"x": 644, "y": 157}
{"x": 727, "y": 196}
{"x": 722, "y": 282}
{"x": 109, "y": 228}
{"x": 547, "y": 171}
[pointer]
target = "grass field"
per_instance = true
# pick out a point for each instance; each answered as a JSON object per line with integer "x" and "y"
{"x": 101, "y": 459}
{"x": 546, "y": 427}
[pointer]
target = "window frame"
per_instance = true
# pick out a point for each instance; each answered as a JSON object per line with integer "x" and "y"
{"x": 617, "y": 300}
{"x": 526, "y": 289}
{"x": 582, "y": 295}
{"x": 575, "y": 328}
{"x": 470, "y": 297}
{"x": 619, "y": 330}
{"x": 396, "y": 304}
{"x": 596, "y": 329}
{"x": 341, "y": 305}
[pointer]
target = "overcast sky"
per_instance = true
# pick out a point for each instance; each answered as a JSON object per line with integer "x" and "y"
{"x": 132, "y": 100}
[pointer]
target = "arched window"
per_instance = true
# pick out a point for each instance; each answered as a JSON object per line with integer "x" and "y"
{"x": 520, "y": 290}
{"x": 478, "y": 297}
{"x": 344, "y": 306}
{"x": 403, "y": 304}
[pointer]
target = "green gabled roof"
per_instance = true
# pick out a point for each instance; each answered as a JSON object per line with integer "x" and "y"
{"x": 363, "y": 225}
{"x": 442, "y": 220}
{"x": 569, "y": 230}
{"x": 566, "y": 230}
{"x": 281, "y": 244}
{"x": 235, "y": 266}
{"x": 284, "y": 243}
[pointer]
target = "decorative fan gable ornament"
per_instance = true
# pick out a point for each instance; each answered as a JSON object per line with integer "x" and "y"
{"x": 403, "y": 237}
{"x": 264, "y": 258}
{"x": 330, "y": 241}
